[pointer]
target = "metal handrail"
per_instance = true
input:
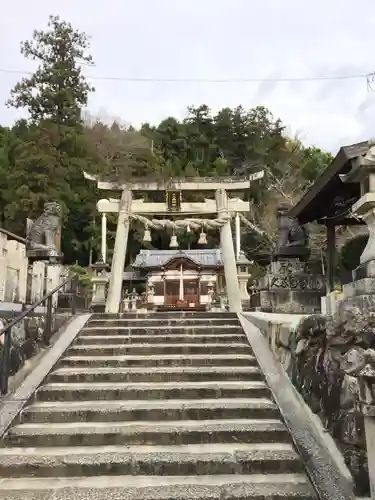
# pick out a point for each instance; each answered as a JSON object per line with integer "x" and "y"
{"x": 13, "y": 236}
{"x": 6, "y": 331}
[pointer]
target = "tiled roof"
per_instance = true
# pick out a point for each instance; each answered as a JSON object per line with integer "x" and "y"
{"x": 158, "y": 258}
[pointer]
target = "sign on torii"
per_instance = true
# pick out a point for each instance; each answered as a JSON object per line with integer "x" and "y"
{"x": 222, "y": 205}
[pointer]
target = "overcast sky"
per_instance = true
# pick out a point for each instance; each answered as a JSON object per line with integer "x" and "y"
{"x": 217, "y": 39}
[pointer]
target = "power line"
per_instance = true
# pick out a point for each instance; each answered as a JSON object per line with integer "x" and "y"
{"x": 366, "y": 76}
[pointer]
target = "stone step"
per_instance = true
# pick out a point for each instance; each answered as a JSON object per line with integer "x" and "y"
{"x": 178, "y": 432}
{"x": 148, "y": 322}
{"x": 153, "y": 407}
{"x": 160, "y": 339}
{"x": 161, "y": 360}
{"x": 188, "y": 460}
{"x": 165, "y": 315}
{"x": 164, "y": 410}
{"x": 150, "y": 391}
{"x": 158, "y": 330}
{"x": 156, "y": 374}
{"x": 132, "y": 349}
{"x": 214, "y": 487}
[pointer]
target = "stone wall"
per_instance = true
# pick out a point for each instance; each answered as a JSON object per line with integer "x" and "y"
{"x": 13, "y": 270}
{"x": 21, "y": 282}
{"x": 314, "y": 355}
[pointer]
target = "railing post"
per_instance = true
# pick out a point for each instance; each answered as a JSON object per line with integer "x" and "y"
{"x": 47, "y": 333}
{"x": 73, "y": 296}
{"x": 5, "y": 362}
{"x": 48, "y": 325}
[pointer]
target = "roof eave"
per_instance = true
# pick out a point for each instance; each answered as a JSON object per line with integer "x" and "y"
{"x": 337, "y": 164}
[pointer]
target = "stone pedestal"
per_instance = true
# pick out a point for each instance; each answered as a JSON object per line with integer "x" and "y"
{"x": 359, "y": 294}
{"x": 53, "y": 280}
{"x": 37, "y": 281}
{"x": 289, "y": 287}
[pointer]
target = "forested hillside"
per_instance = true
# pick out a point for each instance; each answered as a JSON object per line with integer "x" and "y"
{"x": 42, "y": 158}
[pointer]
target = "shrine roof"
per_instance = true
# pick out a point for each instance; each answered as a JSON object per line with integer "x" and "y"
{"x": 329, "y": 198}
{"x": 203, "y": 257}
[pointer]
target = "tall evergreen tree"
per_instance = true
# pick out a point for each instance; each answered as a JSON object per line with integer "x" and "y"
{"x": 51, "y": 152}
{"x": 58, "y": 90}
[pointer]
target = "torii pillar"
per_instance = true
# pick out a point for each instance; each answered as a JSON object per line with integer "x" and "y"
{"x": 228, "y": 255}
{"x": 119, "y": 253}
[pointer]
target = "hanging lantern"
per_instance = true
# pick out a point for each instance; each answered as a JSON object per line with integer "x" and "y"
{"x": 202, "y": 238}
{"x": 174, "y": 242}
{"x": 147, "y": 235}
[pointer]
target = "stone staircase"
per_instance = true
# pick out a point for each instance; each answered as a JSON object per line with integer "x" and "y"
{"x": 165, "y": 407}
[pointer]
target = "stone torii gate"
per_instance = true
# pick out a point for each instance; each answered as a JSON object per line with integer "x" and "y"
{"x": 129, "y": 208}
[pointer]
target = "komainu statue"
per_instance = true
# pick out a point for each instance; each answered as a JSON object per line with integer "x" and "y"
{"x": 43, "y": 236}
{"x": 293, "y": 239}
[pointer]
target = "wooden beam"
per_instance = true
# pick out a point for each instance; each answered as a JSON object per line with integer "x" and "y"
{"x": 331, "y": 256}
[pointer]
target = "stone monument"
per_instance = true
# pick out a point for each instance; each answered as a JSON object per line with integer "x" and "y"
{"x": 289, "y": 286}
{"x": 43, "y": 243}
{"x": 43, "y": 236}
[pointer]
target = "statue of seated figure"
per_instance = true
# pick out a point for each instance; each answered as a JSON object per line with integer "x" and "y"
{"x": 44, "y": 234}
{"x": 293, "y": 239}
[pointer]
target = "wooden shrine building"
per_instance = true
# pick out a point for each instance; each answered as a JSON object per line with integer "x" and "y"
{"x": 329, "y": 201}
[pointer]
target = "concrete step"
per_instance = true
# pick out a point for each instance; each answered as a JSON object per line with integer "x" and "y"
{"x": 132, "y": 349}
{"x": 161, "y": 339}
{"x": 148, "y": 322}
{"x": 214, "y": 487}
{"x": 156, "y": 374}
{"x": 178, "y": 432}
{"x": 163, "y": 410}
{"x": 160, "y": 360}
{"x": 150, "y": 391}
{"x": 165, "y": 315}
{"x": 189, "y": 460}
{"x": 157, "y": 330}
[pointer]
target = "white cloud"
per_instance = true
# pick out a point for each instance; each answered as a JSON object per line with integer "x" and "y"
{"x": 213, "y": 39}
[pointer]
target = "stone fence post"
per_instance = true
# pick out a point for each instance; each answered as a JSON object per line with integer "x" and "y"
{"x": 364, "y": 371}
{"x": 3, "y": 265}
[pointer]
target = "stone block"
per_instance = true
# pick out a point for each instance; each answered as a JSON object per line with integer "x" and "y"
{"x": 290, "y": 287}
{"x": 362, "y": 286}
{"x": 364, "y": 303}
{"x": 37, "y": 281}
{"x": 53, "y": 280}
{"x": 290, "y": 301}
{"x": 283, "y": 336}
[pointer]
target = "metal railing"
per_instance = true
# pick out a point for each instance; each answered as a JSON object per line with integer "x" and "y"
{"x": 13, "y": 236}
{"x": 47, "y": 332}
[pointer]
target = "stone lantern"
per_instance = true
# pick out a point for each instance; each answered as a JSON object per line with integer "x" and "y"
{"x": 211, "y": 295}
{"x": 363, "y": 172}
{"x": 243, "y": 275}
{"x": 99, "y": 282}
